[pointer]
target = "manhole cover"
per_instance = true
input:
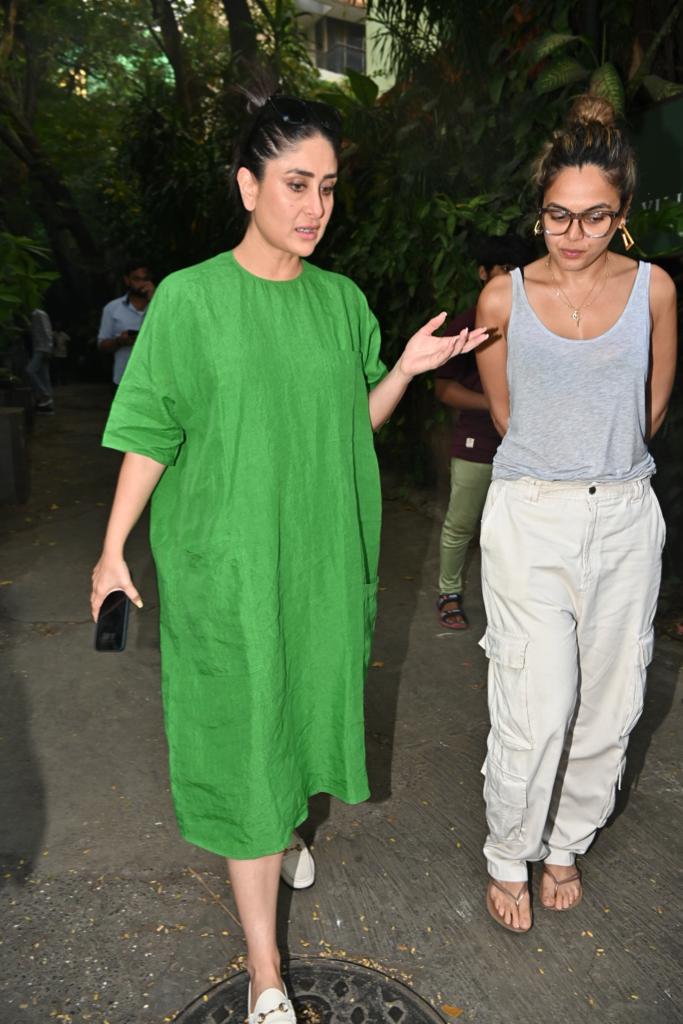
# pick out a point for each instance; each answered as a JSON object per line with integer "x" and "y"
{"x": 323, "y": 992}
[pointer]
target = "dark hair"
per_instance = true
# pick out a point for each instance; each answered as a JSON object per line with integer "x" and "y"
{"x": 591, "y": 136}
{"x": 132, "y": 264}
{"x": 268, "y": 133}
{"x": 497, "y": 250}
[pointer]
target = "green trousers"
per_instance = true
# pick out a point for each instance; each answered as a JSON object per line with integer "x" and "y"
{"x": 469, "y": 486}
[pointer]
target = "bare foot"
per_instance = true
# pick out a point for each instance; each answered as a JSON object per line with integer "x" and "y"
{"x": 510, "y": 904}
{"x": 561, "y": 886}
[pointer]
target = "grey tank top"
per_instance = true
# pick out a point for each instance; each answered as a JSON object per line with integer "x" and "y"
{"x": 577, "y": 408}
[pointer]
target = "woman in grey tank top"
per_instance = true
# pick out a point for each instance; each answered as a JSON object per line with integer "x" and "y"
{"x": 578, "y": 379}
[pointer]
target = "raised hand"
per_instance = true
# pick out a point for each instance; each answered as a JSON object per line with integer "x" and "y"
{"x": 425, "y": 351}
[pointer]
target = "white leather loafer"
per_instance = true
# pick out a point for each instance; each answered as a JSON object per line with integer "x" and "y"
{"x": 298, "y": 866}
{"x": 272, "y": 1007}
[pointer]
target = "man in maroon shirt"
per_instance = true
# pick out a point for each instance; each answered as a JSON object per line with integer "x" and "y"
{"x": 475, "y": 439}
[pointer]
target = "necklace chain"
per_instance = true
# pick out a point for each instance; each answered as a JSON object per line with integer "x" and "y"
{"x": 575, "y": 310}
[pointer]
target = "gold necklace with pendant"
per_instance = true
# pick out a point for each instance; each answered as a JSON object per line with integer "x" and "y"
{"x": 575, "y": 311}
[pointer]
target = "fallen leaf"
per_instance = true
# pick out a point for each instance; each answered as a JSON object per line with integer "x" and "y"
{"x": 452, "y": 1011}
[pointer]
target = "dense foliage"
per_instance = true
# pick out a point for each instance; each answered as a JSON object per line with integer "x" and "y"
{"x": 118, "y": 117}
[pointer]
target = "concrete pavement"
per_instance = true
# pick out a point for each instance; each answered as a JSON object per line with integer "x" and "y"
{"x": 107, "y": 916}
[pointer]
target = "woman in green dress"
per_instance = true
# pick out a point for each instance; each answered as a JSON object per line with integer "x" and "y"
{"x": 246, "y": 412}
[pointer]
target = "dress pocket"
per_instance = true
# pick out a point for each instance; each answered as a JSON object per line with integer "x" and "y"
{"x": 636, "y": 695}
{"x": 370, "y": 614}
{"x": 507, "y": 688}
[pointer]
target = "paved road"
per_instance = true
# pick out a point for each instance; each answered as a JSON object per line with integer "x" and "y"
{"x": 107, "y": 916}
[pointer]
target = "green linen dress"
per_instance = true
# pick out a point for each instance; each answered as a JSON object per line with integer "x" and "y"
{"x": 265, "y": 534}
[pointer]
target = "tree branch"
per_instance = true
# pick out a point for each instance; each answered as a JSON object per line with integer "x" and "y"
{"x": 8, "y": 24}
{"x": 660, "y": 35}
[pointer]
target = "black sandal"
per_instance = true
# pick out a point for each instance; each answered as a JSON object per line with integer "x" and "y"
{"x": 452, "y": 618}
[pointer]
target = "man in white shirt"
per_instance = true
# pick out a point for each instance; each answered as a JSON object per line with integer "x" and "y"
{"x": 38, "y": 369}
{"x": 122, "y": 317}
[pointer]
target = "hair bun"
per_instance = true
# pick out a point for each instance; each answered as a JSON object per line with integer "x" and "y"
{"x": 257, "y": 90}
{"x": 589, "y": 109}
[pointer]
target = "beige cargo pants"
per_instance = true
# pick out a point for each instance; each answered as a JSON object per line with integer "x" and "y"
{"x": 570, "y": 575}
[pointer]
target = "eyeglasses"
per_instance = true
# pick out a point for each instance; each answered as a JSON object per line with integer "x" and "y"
{"x": 294, "y": 111}
{"x": 595, "y": 223}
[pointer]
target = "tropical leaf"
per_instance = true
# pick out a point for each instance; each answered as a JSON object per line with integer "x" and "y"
{"x": 558, "y": 74}
{"x": 543, "y": 47}
{"x": 364, "y": 88}
{"x": 659, "y": 89}
{"x": 606, "y": 82}
{"x": 496, "y": 88}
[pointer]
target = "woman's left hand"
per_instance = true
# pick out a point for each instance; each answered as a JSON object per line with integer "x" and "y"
{"x": 425, "y": 352}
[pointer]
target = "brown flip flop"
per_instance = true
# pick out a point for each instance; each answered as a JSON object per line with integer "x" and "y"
{"x": 576, "y": 877}
{"x": 491, "y": 907}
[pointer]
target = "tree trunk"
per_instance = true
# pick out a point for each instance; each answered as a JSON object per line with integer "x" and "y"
{"x": 174, "y": 50}
{"x": 243, "y": 40}
{"x": 53, "y": 200}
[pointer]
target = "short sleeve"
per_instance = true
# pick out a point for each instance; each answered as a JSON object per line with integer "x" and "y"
{"x": 143, "y": 417}
{"x": 371, "y": 340}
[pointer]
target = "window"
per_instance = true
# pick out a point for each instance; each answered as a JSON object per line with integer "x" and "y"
{"x": 339, "y": 45}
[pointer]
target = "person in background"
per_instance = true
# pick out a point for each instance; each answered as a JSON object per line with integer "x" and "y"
{"x": 475, "y": 438}
{"x": 38, "y": 368}
{"x": 60, "y": 355}
{"x": 122, "y": 318}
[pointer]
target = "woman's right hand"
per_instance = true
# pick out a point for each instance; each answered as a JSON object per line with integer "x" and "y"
{"x": 111, "y": 574}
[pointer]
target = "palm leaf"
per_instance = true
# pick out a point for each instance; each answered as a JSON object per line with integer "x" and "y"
{"x": 364, "y": 88}
{"x": 659, "y": 89}
{"x": 543, "y": 47}
{"x": 558, "y": 74}
{"x": 606, "y": 82}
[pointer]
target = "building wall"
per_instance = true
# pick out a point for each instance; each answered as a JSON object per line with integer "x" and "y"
{"x": 322, "y": 21}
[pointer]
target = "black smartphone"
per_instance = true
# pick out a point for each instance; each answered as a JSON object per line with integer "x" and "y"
{"x": 112, "y": 622}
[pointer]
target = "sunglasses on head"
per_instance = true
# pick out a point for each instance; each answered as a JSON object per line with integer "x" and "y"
{"x": 296, "y": 112}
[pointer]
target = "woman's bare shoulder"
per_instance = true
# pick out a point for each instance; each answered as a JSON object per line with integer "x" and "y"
{"x": 537, "y": 272}
{"x": 496, "y": 296}
{"x": 662, "y": 287}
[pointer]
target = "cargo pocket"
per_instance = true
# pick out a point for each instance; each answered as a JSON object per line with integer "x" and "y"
{"x": 636, "y": 695}
{"x": 505, "y": 797}
{"x": 370, "y": 614}
{"x": 609, "y": 806}
{"x": 507, "y": 688}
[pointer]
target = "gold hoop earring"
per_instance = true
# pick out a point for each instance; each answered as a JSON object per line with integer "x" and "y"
{"x": 538, "y": 228}
{"x": 627, "y": 238}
